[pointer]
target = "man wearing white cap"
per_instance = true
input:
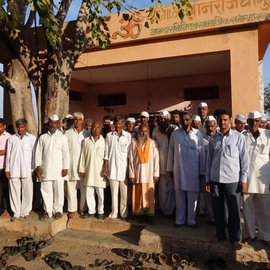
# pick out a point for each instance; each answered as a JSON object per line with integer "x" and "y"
{"x": 19, "y": 168}
{"x": 186, "y": 159}
{"x": 257, "y": 198}
{"x": 130, "y": 124}
{"x": 196, "y": 121}
{"x": 205, "y": 200}
{"x": 144, "y": 119}
{"x": 67, "y": 123}
{"x": 52, "y": 163}
{"x": 240, "y": 123}
{"x": 75, "y": 137}
{"x": 162, "y": 134}
{"x": 263, "y": 121}
{"x": 203, "y": 111}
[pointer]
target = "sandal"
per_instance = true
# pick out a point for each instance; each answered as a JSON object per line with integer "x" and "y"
{"x": 175, "y": 259}
{"x": 162, "y": 257}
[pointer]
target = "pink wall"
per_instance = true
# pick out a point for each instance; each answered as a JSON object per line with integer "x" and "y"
{"x": 161, "y": 93}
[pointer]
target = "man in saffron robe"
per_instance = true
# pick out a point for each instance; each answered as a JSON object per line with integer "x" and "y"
{"x": 143, "y": 172}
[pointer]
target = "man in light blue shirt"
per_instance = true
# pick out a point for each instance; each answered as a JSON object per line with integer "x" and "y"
{"x": 228, "y": 166}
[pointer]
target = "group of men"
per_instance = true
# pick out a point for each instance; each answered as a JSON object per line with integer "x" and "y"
{"x": 188, "y": 164}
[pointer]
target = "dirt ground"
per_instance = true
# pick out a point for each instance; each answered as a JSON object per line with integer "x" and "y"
{"x": 86, "y": 255}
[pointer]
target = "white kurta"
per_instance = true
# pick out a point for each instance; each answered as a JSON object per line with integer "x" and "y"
{"x": 91, "y": 162}
{"x": 144, "y": 172}
{"x": 259, "y": 168}
{"x": 74, "y": 143}
{"x": 186, "y": 158}
{"x": 20, "y": 155}
{"x": 116, "y": 152}
{"x": 52, "y": 154}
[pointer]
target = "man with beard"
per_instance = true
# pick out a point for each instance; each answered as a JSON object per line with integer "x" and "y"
{"x": 257, "y": 197}
{"x": 228, "y": 166}
{"x": 196, "y": 122}
{"x": 75, "y": 137}
{"x": 52, "y": 164}
{"x": 203, "y": 111}
{"x": 186, "y": 159}
{"x": 107, "y": 125}
{"x": 176, "y": 116}
{"x": 162, "y": 134}
{"x": 143, "y": 172}
{"x": 117, "y": 145}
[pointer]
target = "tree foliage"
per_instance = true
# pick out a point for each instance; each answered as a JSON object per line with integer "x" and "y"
{"x": 50, "y": 71}
{"x": 267, "y": 98}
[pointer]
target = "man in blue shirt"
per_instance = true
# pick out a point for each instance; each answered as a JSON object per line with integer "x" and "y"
{"x": 228, "y": 166}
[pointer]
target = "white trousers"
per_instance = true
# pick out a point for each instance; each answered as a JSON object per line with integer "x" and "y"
{"x": 72, "y": 199}
{"x": 91, "y": 200}
{"x": 186, "y": 204}
{"x": 21, "y": 196}
{"x": 257, "y": 214}
{"x": 53, "y": 196}
{"x": 115, "y": 186}
{"x": 166, "y": 194}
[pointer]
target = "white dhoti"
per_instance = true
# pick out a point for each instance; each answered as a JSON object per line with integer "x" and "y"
{"x": 53, "y": 196}
{"x": 257, "y": 214}
{"x": 166, "y": 194}
{"x": 115, "y": 186}
{"x": 21, "y": 196}
{"x": 186, "y": 204}
{"x": 72, "y": 187}
{"x": 91, "y": 200}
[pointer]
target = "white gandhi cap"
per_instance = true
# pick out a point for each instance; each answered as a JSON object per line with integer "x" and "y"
{"x": 164, "y": 113}
{"x": 144, "y": 114}
{"x": 131, "y": 119}
{"x": 196, "y": 118}
{"x": 241, "y": 118}
{"x": 54, "y": 117}
{"x": 210, "y": 118}
{"x": 254, "y": 115}
{"x": 203, "y": 104}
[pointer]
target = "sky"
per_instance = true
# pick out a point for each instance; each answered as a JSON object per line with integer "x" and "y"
{"x": 73, "y": 11}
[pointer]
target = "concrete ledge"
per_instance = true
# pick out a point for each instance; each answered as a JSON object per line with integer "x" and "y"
{"x": 107, "y": 226}
{"x": 34, "y": 226}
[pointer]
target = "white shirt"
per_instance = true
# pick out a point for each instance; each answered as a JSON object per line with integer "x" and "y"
{"x": 259, "y": 169}
{"x": 20, "y": 155}
{"x": 143, "y": 172}
{"x": 52, "y": 154}
{"x": 74, "y": 143}
{"x": 186, "y": 158}
{"x": 3, "y": 143}
{"x": 116, "y": 152}
{"x": 91, "y": 162}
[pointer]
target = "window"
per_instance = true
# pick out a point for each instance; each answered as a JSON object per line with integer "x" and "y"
{"x": 201, "y": 93}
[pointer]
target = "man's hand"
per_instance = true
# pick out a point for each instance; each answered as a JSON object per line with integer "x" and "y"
{"x": 133, "y": 180}
{"x": 82, "y": 175}
{"x": 8, "y": 175}
{"x": 244, "y": 187}
{"x": 171, "y": 175}
{"x": 2, "y": 152}
{"x": 207, "y": 187}
{"x": 155, "y": 179}
{"x": 39, "y": 172}
{"x": 105, "y": 168}
{"x": 64, "y": 172}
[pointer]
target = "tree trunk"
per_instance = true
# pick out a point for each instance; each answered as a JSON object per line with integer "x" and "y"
{"x": 21, "y": 99}
{"x": 57, "y": 86}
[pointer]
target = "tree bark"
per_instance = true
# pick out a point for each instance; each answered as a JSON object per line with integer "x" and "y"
{"x": 21, "y": 98}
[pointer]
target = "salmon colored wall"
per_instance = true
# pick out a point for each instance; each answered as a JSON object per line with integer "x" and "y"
{"x": 161, "y": 93}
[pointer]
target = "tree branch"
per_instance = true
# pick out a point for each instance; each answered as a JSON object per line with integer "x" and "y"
{"x": 6, "y": 82}
{"x": 62, "y": 12}
{"x": 30, "y": 20}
